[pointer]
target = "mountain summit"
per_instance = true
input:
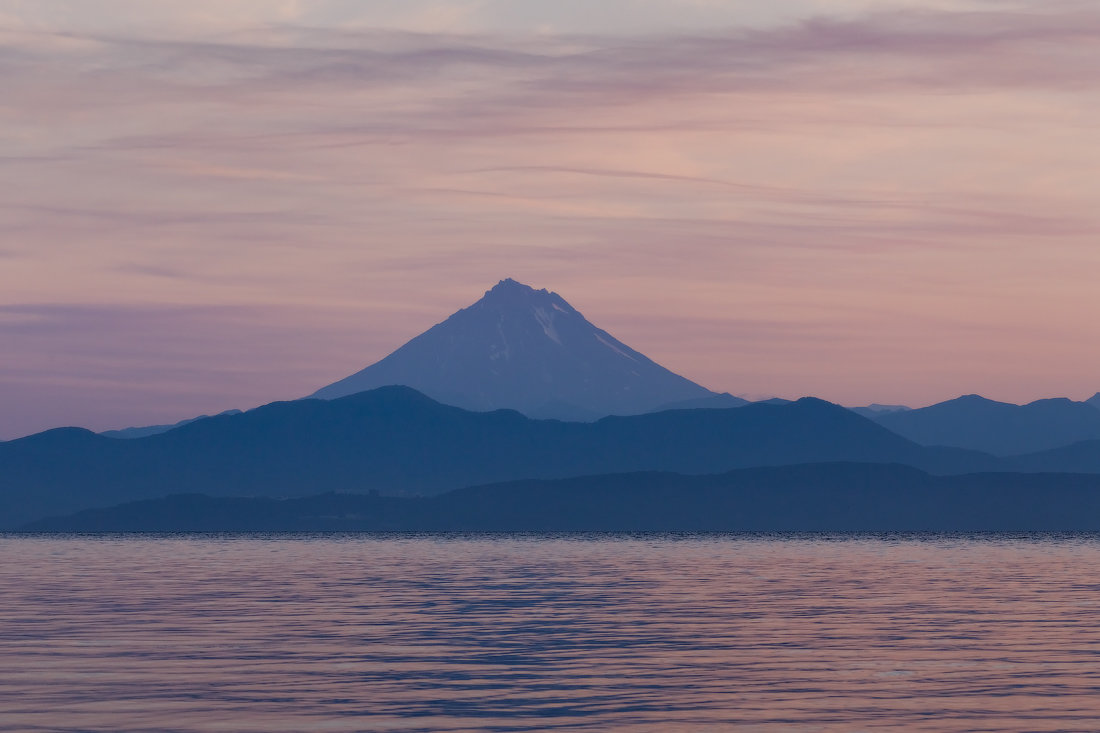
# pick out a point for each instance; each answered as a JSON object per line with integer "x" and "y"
{"x": 527, "y": 350}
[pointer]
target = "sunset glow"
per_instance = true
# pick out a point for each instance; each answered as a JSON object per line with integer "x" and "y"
{"x": 239, "y": 202}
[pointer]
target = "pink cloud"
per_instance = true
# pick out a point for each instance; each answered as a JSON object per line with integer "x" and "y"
{"x": 830, "y": 203}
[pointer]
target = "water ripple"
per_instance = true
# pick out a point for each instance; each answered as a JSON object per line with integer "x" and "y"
{"x": 514, "y": 633}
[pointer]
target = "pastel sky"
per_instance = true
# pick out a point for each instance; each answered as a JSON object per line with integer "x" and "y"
{"x": 221, "y": 203}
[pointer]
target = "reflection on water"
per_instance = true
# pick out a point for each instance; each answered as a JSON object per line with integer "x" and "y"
{"x": 647, "y": 633}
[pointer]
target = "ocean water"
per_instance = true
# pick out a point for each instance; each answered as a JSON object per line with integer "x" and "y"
{"x": 512, "y": 633}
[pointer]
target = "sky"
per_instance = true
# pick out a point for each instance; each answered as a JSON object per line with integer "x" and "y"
{"x": 221, "y": 203}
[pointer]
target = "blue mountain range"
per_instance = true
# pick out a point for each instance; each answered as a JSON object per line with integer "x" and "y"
{"x": 476, "y": 400}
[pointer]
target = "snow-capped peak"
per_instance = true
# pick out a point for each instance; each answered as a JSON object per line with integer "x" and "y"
{"x": 522, "y": 348}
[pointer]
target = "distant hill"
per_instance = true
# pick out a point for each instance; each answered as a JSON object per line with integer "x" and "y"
{"x": 146, "y": 431}
{"x": 1082, "y": 457}
{"x": 1000, "y": 428}
{"x": 816, "y": 498}
{"x": 1094, "y": 401}
{"x": 528, "y": 350}
{"x": 875, "y": 410}
{"x": 714, "y": 402}
{"x": 396, "y": 440}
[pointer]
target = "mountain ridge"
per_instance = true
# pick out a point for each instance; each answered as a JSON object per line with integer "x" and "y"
{"x": 397, "y": 440}
{"x": 145, "y": 431}
{"x": 1000, "y": 428}
{"x": 833, "y": 497}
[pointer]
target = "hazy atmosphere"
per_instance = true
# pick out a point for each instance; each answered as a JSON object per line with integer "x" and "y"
{"x": 219, "y": 204}
{"x": 513, "y": 365}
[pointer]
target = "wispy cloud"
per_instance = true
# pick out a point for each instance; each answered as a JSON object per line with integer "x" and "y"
{"x": 910, "y": 161}
{"x": 885, "y": 52}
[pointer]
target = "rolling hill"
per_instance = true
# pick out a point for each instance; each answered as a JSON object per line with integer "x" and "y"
{"x": 398, "y": 441}
{"x": 806, "y": 498}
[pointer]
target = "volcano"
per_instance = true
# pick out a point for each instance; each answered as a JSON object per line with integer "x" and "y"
{"x": 527, "y": 350}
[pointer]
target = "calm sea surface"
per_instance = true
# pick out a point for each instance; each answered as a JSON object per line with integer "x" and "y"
{"x": 642, "y": 633}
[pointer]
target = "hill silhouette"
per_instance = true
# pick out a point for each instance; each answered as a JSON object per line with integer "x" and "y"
{"x": 1082, "y": 457}
{"x": 398, "y": 441}
{"x": 875, "y": 410}
{"x": 713, "y": 402}
{"x": 819, "y": 497}
{"x": 147, "y": 430}
{"x": 1000, "y": 428}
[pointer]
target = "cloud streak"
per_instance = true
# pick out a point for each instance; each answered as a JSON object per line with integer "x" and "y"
{"x": 882, "y": 53}
{"x": 912, "y": 162}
